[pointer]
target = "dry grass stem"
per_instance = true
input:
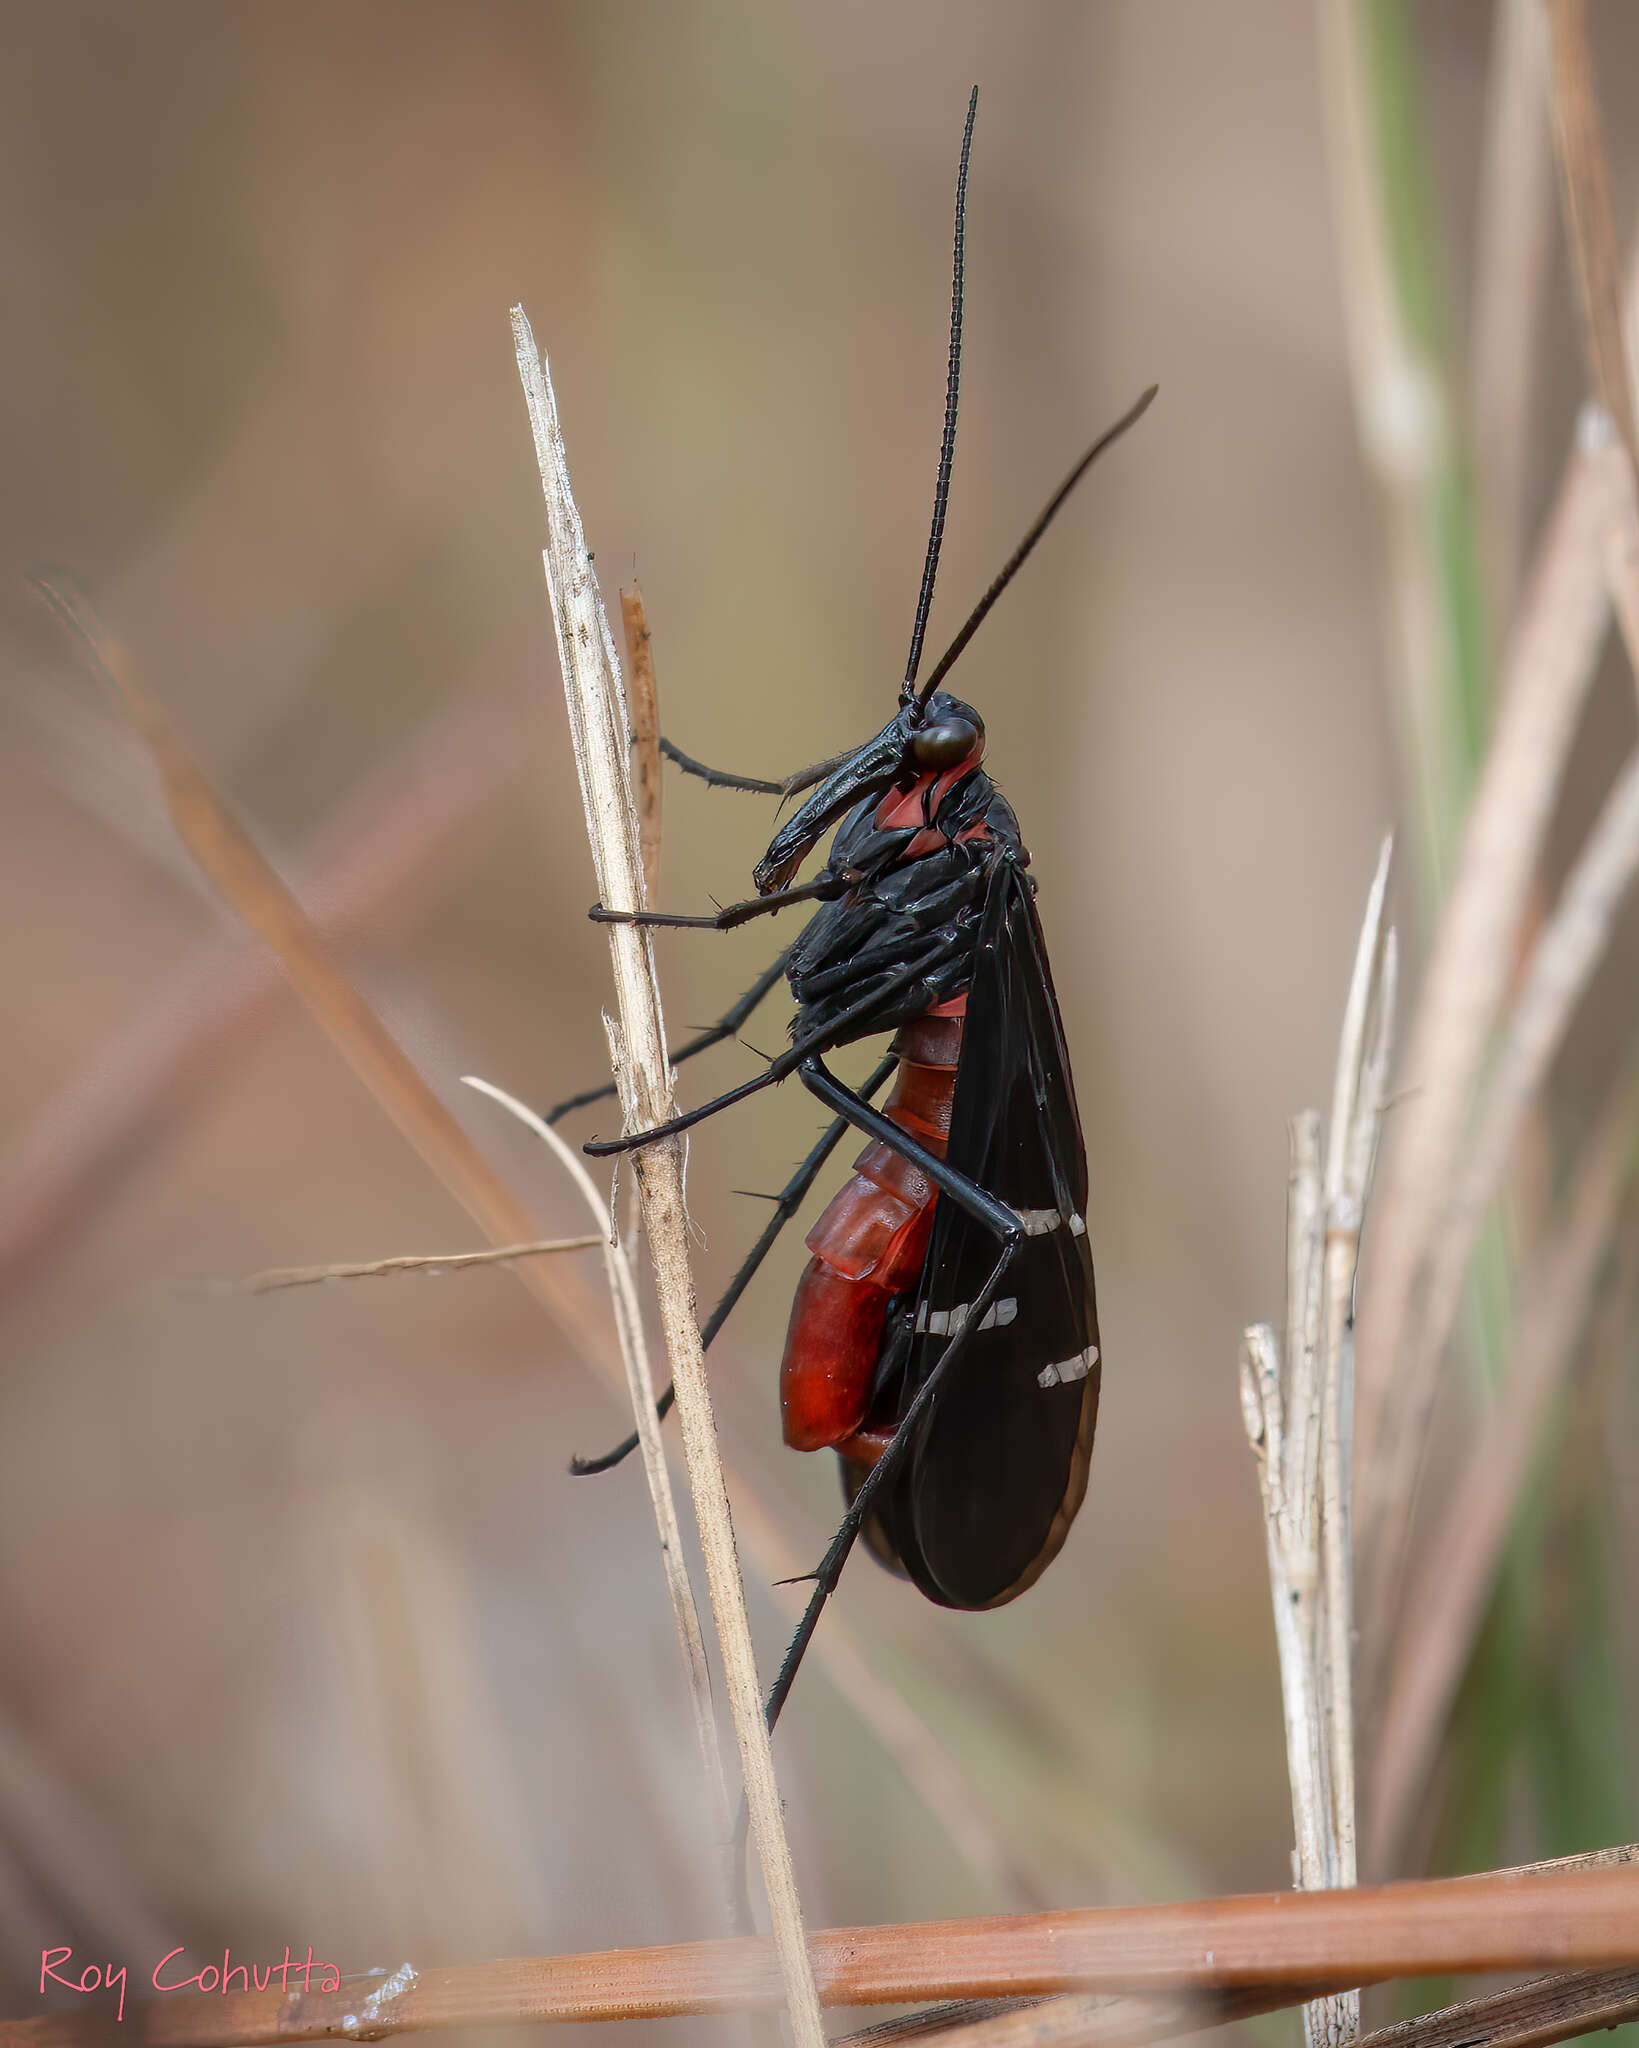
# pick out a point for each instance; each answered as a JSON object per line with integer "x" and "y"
{"x": 275, "y": 1277}
{"x": 1398, "y": 396}
{"x": 1514, "y": 239}
{"x": 1298, "y": 1407}
{"x": 1447, "y": 1604}
{"x": 1531, "y": 2015}
{"x": 634, "y": 1352}
{"x": 1585, "y": 185}
{"x": 225, "y": 851}
{"x": 600, "y": 727}
{"x": 1090, "y": 2022}
{"x": 1547, "y": 674}
{"x": 1562, "y": 963}
{"x": 1304, "y": 1941}
{"x": 1547, "y": 2009}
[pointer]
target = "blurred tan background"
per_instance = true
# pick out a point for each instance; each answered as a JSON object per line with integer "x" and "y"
{"x": 309, "y": 1634}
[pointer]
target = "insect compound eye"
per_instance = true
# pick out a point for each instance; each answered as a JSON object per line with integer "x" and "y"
{"x": 945, "y": 744}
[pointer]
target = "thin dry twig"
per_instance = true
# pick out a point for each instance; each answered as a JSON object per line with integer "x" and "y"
{"x": 634, "y": 1352}
{"x": 1306, "y": 1941}
{"x": 274, "y": 1277}
{"x": 1299, "y": 1410}
{"x": 1447, "y": 1604}
{"x": 599, "y": 725}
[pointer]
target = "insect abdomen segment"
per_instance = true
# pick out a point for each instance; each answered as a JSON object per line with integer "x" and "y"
{"x": 868, "y": 1246}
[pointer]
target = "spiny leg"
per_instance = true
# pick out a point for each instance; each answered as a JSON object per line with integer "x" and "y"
{"x": 719, "y": 778}
{"x": 854, "y": 1021}
{"x": 821, "y": 888}
{"x": 789, "y": 1200}
{"x": 714, "y": 1034}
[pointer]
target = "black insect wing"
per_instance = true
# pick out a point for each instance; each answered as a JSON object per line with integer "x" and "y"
{"x": 999, "y": 1466}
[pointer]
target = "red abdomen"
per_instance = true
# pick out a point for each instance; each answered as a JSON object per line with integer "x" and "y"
{"x": 867, "y": 1247}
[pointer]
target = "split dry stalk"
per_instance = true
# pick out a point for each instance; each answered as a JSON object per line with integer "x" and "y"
{"x": 634, "y": 1354}
{"x": 600, "y": 728}
{"x": 1298, "y": 1407}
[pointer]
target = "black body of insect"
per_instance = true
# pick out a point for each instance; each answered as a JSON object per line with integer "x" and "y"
{"x": 944, "y": 1339}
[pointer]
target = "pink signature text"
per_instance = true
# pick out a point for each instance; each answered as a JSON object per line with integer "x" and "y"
{"x": 171, "y": 1973}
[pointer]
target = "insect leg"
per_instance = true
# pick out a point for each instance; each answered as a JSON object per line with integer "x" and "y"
{"x": 790, "y": 1200}
{"x": 854, "y": 1021}
{"x": 718, "y": 778}
{"x": 822, "y": 887}
{"x": 714, "y": 1034}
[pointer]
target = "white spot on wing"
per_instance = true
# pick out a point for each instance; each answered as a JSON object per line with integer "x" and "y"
{"x": 1076, "y": 1368}
{"x": 950, "y": 1322}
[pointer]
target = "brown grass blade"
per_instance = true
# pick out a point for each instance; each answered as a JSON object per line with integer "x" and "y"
{"x": 384, "y": 853}
{"x": 226, "y": 852}
{"x": 1531, "y": 2015}
{"x": 1304, "y": 1941}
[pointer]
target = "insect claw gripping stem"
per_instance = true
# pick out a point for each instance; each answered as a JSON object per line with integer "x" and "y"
{"x": 795, "y": 1056}
{"x": 714, "y": 1034}
{"x": 725, "y": 920}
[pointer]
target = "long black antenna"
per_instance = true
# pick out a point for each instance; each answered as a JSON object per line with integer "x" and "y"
{"x": 947, "y": 446}
{"x": 1015, "y": 561}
